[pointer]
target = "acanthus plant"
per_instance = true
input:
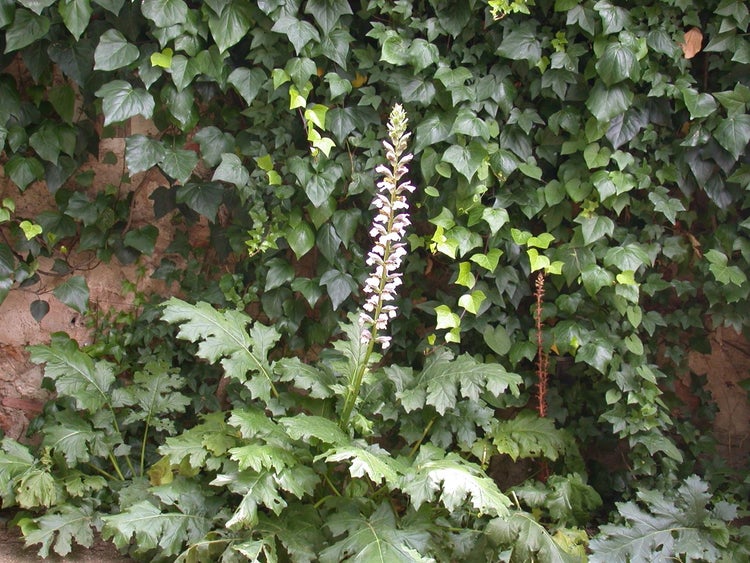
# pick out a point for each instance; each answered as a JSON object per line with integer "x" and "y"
{"x": 352, "y": 458}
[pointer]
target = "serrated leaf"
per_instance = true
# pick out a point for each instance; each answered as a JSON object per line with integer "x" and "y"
{"x": 74, "y": 438}
{"x": 120, "y": 101}
{"x": 225, "y": 336}
{"x": 452, "y": 479}
{"x": 444, "y": 380}
{"x": 114, "y": 51}
{"x": 59, "y": 528}
{"x": 376, "y": 539}
{"x": 528, "y": 540}
{"x": 371, "y": 461}
{"x": 304, "y": 427}
{"x": 528, "y": 436}
{"x": 153, "y": 529}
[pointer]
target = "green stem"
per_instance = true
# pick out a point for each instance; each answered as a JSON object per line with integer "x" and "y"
{"x": 143, "y": 447}
{"x": 415, "y": 447}
{"x": 102, "y": 472}
{"x": 331, "y": 485}
{"x": 116, "y": 465}
{"x": 353, "y": 393}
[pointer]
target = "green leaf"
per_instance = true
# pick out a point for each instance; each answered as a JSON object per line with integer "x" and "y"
{"x": 59, "y": 528}
{"x": 665, "y": 204}
{"x": 76, "y": 15}
{"x": 74, "y": 292}
{"x": 62, "y": 98}
{"x": 614, "y": 18}
{"x": 453, "y": 479}
{"x": 204, "y": 198}
{"x": 666, "y": 525}
{"x": 26, "y": 29}
{"x": 472, "y": 301}
{"x": 466, "y": 160}
{"x": 231, "y": 170}
{"x": 497, "y": 339}
{"x": 301, "y": 238}
{"x": 607, "y": 103}
{"x": 733, "y": 133}
{"x": 698, "y": 104}
{"x": 595, "y": 228}
{"x": 528, "y": 436}
{"x": 74, "y": 373}
{"x": 327, "y": 12}
{"x": 214, "y": 143}
{"x": 143, "y": 153}
{"x": 179, "y": 163}
{"x": 120, "y": 101}
{"x": 299, "y": 32}
{"x": 628, "y": 257}
{"x": 528, "y": 539}
{"x": 24, "y": 170}
{"x": 339, "y": 286}
{"x": 224, "y": 335}
{"x": 231, "y": 25}
{"x": 247, "y": 82}
{"x": 371, "y": 461}
{"x": 143, "y": 239}
{"x": 114, "y": 51}
{"x": 376, "y": 539}
{"x": 522, "y": 44}
{"x": 165, "y": 13}
{"x": 153, "y": 529}
{"x": 617, "y": 63}
{"x": 303, "y": 427}
{"x": 444, "y": 380}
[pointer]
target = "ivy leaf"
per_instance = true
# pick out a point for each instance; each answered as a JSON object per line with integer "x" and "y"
{"x": 153, "y": 529}
{"x": 339, "y": 286}
{"x": 165, "y": 13}
{"x": 26, "y": 29}
{"x": 614, "y": 18}
{"x": 665, "y": 204}
{"x": 58, "y": 528}
{"x": 76, "y": 15}
{"x": 204, "y": 197}
{"x": 179, "y": 163}
{"x": 120, "y": 101}
{"x": 224, "y": 335}
{"x": 327, "y": 12}
{"x": 143, "y": 153}
{"x": 300, "y": 33}
{"x": 231, "y": 170}
{"x": 24, "y": 170}
{"x": 628, "y": 257}
{"x": 607, "y": 103}
{"x": 624, "y": 127}
{"x": 376, "y": 539}
{"x": 444, "y": 379}
{"x": 335, "y": 46}
{"x": 231, "y": 25}
{"x": 698, "y": 104}
{"x": 214, "y": 142}
{"x": 143, "y": 239}
{"x": 433, "y": 129}
{"x": 522, "y": 44}
{"x": 528, "y": 436}
{"x": 595, "y": 228}
{"x": 74, "y": 292}
{"x": 466, "y": 160}
{"x": 247, "y": 82}
{"x": 733, "y": 133}
{"x": 114, "y": 51}
{"x": 617, "y": 63}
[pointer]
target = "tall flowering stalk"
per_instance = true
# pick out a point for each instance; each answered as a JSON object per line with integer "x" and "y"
{"x": 388, "y": 230}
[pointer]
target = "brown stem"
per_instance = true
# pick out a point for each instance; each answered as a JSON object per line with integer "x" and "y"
{"x": 542, "y": 359}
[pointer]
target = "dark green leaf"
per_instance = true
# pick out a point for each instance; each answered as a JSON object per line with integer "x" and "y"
{"x": 231, "y": 26}
{"x": 114, "y": 51}
{"x": 617, "y": 63}
{"x": 466, "y": 160}
{"x": 247, "y": 82}
{"x": 327, "y": 12}
{"x": 142, "y": 239}
{"x": 607, "y": 103}
{"x": 733, "y": 133}
{"x": 23, "y": 171}
{"x": 27, "y": 28}
{"x": 202, "y": 197}
{"x": 179, "y": 163}
{"x": 300, "y": 33}
{"x": 165, "y": 13}
{"x": 339, "y": 286}
{"x": 143, "y": 153}
{"x": 231, "y": 170}
{"x": 74, "y": 292}
{"x": 76, "y": 15}
{"x": 214, "y": 142}
{"x": 39, "y": 309}
{"x": 522, "y": 44}
{"x": 301, "y": 238}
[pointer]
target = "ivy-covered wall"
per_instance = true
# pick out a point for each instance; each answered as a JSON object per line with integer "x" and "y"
{"x": 581, "y": 216}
